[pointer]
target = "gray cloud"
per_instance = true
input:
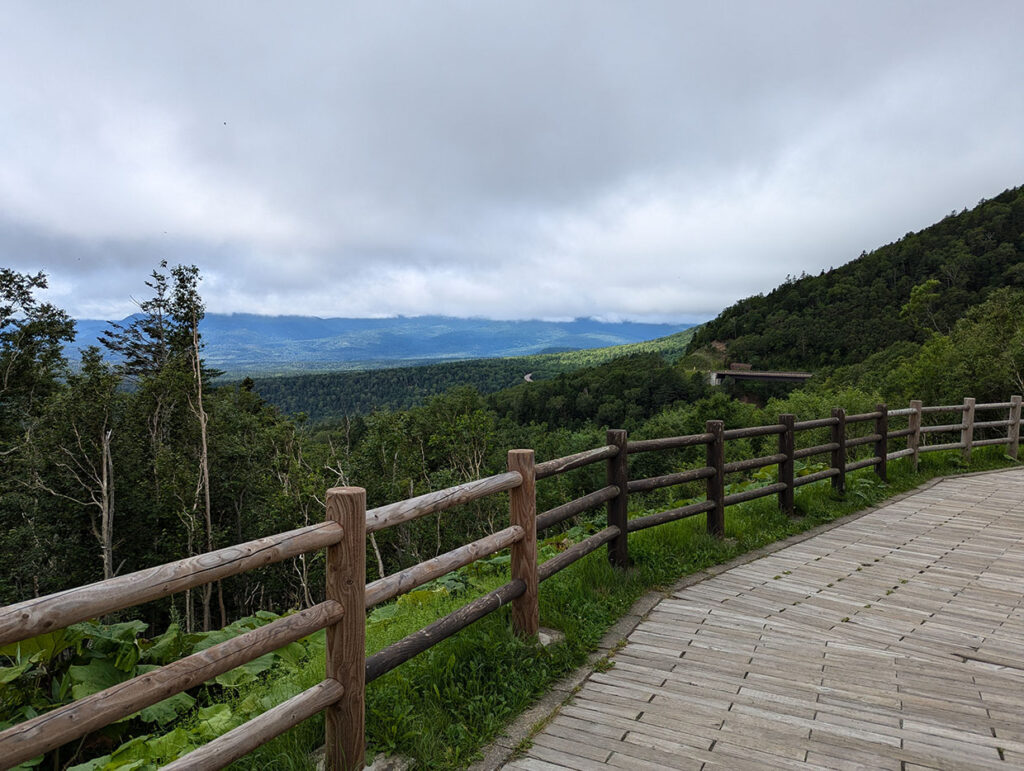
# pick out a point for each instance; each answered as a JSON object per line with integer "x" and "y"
{"x": 644, "y": 160}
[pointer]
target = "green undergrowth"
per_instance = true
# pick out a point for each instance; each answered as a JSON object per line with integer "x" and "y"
{"x": 442, "y": 707}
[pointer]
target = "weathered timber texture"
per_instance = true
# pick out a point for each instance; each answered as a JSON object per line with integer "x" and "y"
{"x": 818, "y": 449}
{"x": 903, "y": 453}
{"x": 942, "y": 429}
{"x": 942, "y": 447}
{"x": 752, "y": 463}
{"x": 991, "y": 423}
{"x": 1013, "y": 434}
{"x": 990, "y": 442}
{"x": 56, "y": 611}
{"x": 993, "y": 405}
{"x": 757, "y": 492}
{"x": 864, "y": 463}
{"x": 671, "y": 515}
{"x": 576, "y": 552}
{"x": 523, "y": 567}
{"x": 668, "y": 443}
{"x": 33, "y": 737}
{"x": 942, "y": 408}
{"x": 839, "y": 453}
{"x": 618, "y": 475}
{"x": 384, "y": 661}
{"x": 817, "y": 476}
{"x": 716, "y": 484}
{"x": 914, "y": 439}
{"x": 569, "y": 462}
{"x": 403, "y": 511}
{"x": 862, "y": 417}
{"x": 859, "y": 441}
{"x": 572, "y": 508}
{"x": 346, "y": 639}
{"x": 752, "y": 431}
{"x": 234, "y": 744}
{"x": 787, "y": 443}
{"x": 668, "y": 480}
{"x": 900, "y": 433}
{"x": 406, "y": 580}
{"x": 882, "y": 444}
{"x": 967, "y": 435}
{"x": 804, "y": 425}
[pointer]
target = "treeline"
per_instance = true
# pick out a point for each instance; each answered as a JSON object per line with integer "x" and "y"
{"x": 905, "y": 291}
{"x": 339, "y": 394}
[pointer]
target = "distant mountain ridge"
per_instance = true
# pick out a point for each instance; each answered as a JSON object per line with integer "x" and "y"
{"x": 241, "y": 341}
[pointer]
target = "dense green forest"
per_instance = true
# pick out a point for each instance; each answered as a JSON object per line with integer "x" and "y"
{"x": 110, "y": 468}
{"x": 341, "y": 394}
{"x": 905, "y": 291}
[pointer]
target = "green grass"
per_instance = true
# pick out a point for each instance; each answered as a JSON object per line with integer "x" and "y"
{"x": 443, "y": 706}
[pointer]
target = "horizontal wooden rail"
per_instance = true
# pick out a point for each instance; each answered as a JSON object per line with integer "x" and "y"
{"x": 902, "y": 412}
{"x": 56, "y": 611}
{"x": 669, "y": 443}
{"x": 807, "y": 479}
{"x": 901, "y": 433}
{"x": 668, "y": 480}
{"x": 757, "y": 492}
{"x": 41, "y": 734}
{"x": 806, "y": 452}
{"x": 900, "y": 454}
{"x": 940, "y": 447}
{"x": 662, "y": 517}
{"x": 561, "y": 513}
{"x": 806, "y": 425}
{"x": 863, "y": 417}
{"x": 752, "y": 431}
{"x": 406, "y": 580}
{"x": 398, "y": 653}
{"x": 942, "y": 429}
{"x": 405, "y": 511}
{"x": 569, "y": 462}
{"x": 992, "y": 424}
{"x": 240, "y": 741}
{"x": 991, "y": 442}
{"x": 752, "y": 463}
{"x": 577, "y": 552}
{"x": 994, "y": 406}
{"x": 942, "y": 408}
{"x": 874, "y": 461}
{"x": 859, "y": 440}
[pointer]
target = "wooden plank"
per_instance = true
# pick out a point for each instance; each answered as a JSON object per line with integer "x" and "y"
{"x": 561, "y": 513}
{"x": 578, "y": 460}
{"x": 523, "y": 567}
{"x": 346, "y": 639}
{"x": 404, "y": 511}
{"x": 56, "y": 611}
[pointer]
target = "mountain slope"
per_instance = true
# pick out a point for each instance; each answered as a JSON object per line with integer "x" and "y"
{"x": 902, "y": 291}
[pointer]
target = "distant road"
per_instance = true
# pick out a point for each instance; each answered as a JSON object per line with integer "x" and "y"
{"x": 528, "y": 377}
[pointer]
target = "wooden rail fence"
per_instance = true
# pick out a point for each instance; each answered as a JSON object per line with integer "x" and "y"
{"x": 348, "y": 597}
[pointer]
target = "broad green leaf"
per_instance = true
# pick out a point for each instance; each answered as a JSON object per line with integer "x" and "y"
{"x": 171, "y": 745}
{"x": 42, "y": 648}
{"x": 165, "y": 711}
{"x": 165, "y": 648}
{"x": 292, "y": 654}
{"x": 9, "y": 674}
{"x": 95, "y": 676}
{"x": 216, "y": 719}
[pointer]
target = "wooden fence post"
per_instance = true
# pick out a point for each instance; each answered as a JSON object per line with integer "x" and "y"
{"x": 967, "y": 433}
{"x": 346, "y": 640}
{"x": 882, "y": 445}
{"x": 716, "y": 483}
{"x": 618, "y": 474}
{"x": 787, "y": 445}
{"x": 914, "y": 440}
{"x": 839, "y": 454}
{"x": 523, "y": 512}
{"x": 1013, "y": 430}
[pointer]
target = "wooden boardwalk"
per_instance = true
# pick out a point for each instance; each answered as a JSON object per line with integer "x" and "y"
{"x": 894, "y": 642}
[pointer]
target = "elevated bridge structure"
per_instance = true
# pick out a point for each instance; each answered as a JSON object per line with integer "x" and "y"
{"x": 716, "y": 377}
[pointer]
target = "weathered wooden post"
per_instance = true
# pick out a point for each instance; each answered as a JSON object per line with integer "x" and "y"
{"x": 839, "y": 453}
{"x": 1013, "y": 430}
{"x": 967, "y": 431}
{"x": 346, "y": 640}
{"x": 617, "y": 471}
{"x": 523, "y": 512}
{"x": 716, "y": 483}
{"x": 787, "y": 446}
{"x": 882, "y": 443}
{"x": 914, "y": 439}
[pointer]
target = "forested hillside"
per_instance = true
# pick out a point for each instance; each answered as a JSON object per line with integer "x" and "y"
{"x": 905, "y": 291}
{"x": 340, "y": 394}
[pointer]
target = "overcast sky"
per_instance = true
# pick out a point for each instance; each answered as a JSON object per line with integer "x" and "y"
{"x": 637, "y": 160}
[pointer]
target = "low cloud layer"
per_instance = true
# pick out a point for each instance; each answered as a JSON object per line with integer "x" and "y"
{"x": 652, "y": 160}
